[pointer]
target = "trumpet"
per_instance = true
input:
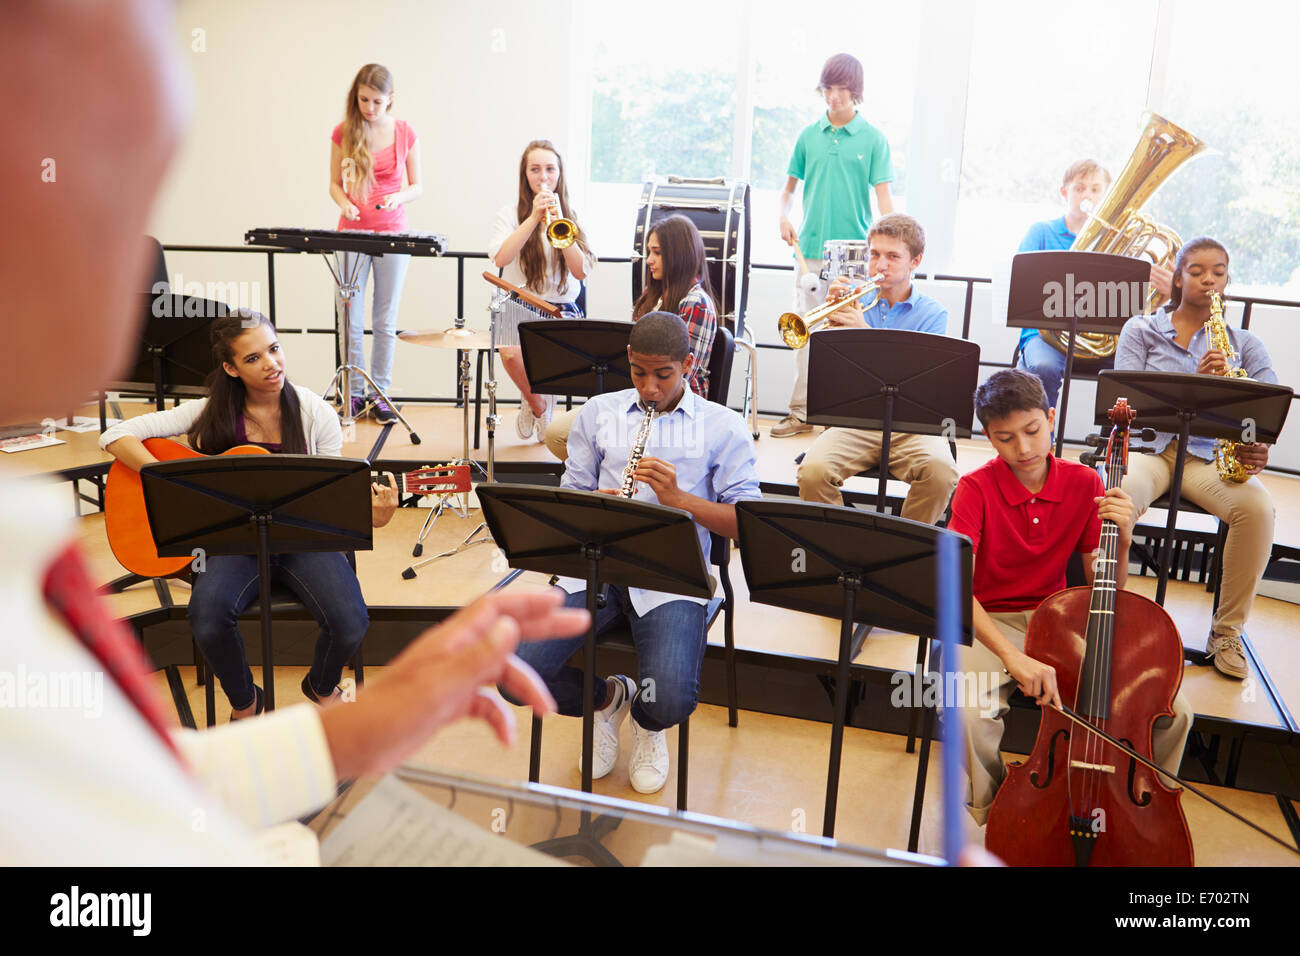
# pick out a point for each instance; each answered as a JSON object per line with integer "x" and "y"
{"x": 560, "y": 232}
{"x": 796, "y": 328}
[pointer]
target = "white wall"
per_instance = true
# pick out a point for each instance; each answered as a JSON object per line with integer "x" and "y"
{"x": 477, "y": 81}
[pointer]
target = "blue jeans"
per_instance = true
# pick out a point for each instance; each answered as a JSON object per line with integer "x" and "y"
{"x": 1044, "y": 361}
{"x": 323, "y": 581}
{"x": 390, "y": 275}
{"x": 669, "y": 645}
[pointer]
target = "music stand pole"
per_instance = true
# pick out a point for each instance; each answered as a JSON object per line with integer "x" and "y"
{"x": 1064, "y": 395}
{"x": 348, "y": 286}
{"x": 1175, "y": 498}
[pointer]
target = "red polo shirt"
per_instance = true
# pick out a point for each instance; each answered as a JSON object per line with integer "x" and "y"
{"x": 1022, "y": 540}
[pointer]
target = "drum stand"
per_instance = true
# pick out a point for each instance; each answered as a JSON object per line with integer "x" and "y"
{"x": 749, "y": 407}
{"x": 493, "y": 419}
{"x": 348, "y": 287}
{"x": 449, "y": 500}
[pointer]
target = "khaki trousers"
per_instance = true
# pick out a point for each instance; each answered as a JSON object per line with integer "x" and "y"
{"x": 983, "y": 720}
{"x": 1247, "y": 507}
{"x": 557, "y": 432}
{"x": 923, "y": 461}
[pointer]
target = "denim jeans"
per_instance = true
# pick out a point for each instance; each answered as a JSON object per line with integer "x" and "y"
{"x": 669, "y": 645}
{"x": 1044, "y": 361}
{"x": 323, "y": 581}
{"x": 390, "y": 275}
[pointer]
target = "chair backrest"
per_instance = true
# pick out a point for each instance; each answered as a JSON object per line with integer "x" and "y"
{"x": 160, "y": 265}
{"x": 724, "y": 350}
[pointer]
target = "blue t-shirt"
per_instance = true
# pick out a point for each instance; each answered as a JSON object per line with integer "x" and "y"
{"x": 1051, "y": 235}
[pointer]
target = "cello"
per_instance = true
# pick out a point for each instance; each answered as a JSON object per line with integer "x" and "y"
{"x": 1078, "y": 800}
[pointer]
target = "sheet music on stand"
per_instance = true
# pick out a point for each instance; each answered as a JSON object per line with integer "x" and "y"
{"x": 416, "y": 817}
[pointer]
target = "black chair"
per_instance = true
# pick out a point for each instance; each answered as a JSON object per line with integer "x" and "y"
{"x": 720, "y": 361}
{"x": 284, "y": 604}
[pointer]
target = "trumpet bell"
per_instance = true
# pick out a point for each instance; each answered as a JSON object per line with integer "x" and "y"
{"x": 561, "y": 233}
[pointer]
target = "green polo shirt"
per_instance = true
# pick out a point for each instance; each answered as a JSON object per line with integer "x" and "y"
{"x": 839, "y": 168}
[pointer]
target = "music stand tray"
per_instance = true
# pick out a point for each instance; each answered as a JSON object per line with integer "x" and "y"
{"x": 1074, "y": 291}
{"x": 603, "y": 539}
{"x": 1188, "y": 404}
{"x": 576, "y": 356}
{"x": 848, "y": 565}
{"x": 259, "y": 504}
{"x": 892, "y": 380}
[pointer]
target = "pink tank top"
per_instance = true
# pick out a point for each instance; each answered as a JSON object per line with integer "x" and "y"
{"x": 389, "y": 163}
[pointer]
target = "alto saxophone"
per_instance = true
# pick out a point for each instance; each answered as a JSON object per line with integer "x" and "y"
{"x": 1216, "y": 337}
{"x": 638, "y": 450}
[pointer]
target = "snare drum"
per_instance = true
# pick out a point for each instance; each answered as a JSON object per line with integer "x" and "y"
{"x": 845, "y": 257}
{"x": 719, "y": 208}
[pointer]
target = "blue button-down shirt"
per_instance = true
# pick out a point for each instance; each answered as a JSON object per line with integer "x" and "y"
{"x": 1147, "y": 344}
{"x": 708, "y": 444}
{"x": 916, "y": 313}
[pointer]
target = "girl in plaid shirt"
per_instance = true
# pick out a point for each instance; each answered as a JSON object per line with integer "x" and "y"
{"x": 679, "y": 282}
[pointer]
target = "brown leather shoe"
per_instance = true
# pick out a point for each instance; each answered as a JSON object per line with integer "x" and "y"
{"x": 789, "y": 426}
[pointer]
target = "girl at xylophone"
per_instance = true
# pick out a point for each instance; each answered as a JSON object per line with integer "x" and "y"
{"x": 552, "y": 268}
{"x": 369, "y": 151}
{"x": 251, "y": 402}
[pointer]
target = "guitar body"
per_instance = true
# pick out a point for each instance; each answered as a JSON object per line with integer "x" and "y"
{"x": 125, "y": 519}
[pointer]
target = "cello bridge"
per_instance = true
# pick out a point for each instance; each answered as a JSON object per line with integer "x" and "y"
{"x": 1084, "y": 765}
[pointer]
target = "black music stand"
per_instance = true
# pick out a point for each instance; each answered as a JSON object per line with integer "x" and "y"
{"x": 849, "y": 565}
{"x": 175, "y": 354}
{"x": 1187, "y": 404}
{"x": 1075, "y": 292}
{"x": 604, "y": 539}
{"x": 259, "y": 504}
{"x": 575, "y": 356}
{"x": 887, "y": 379}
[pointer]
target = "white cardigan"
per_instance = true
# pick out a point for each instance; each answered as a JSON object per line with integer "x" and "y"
{"x": 320, "y": 423}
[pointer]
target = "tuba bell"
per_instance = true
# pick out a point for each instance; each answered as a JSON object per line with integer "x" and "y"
{"x": 1117, "y": 227}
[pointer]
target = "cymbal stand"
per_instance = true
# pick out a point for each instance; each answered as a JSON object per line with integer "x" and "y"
{"x": 348, "y": 286}
{"x": 448, "y": 500}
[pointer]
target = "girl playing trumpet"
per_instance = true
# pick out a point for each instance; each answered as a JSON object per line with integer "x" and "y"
{"x": 520, "y": 248}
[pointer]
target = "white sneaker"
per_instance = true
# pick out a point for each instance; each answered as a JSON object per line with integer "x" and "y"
{"x": 1229, "y": 656}
{"x": 524, "y": 421}
{"x": 539, "y": 424}
{"x": 608, "y": 720}
{"x": 648, "y": 770}
{"x": 346, "y": 691}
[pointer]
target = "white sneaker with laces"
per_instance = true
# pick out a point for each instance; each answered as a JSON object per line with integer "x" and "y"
{"x": 346, "y": 691}
{"x": 606, "y": 726}
{"x": 1229, "y": 656}
{"x": 648, "y": 769}
{"x": 524, "y": 421}
{"x": 540, "y": 423}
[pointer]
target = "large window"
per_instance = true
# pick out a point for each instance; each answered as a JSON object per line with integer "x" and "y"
{"x": 1049, "y": 84}
{"x": 1231, "y": 82}
{"x": 722, "y": 89}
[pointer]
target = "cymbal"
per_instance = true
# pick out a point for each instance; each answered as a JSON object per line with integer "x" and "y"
{"x": 452, "y": 338}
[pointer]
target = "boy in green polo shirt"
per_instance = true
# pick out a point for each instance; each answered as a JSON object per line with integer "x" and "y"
{"x": 841, "y": 159}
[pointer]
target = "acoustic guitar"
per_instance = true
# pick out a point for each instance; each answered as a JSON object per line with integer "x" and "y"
{"x": 127, "y": 524}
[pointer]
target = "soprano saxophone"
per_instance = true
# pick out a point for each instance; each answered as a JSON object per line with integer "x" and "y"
{"x": 1216, "y": 337}
{"x": 638, "y": 449}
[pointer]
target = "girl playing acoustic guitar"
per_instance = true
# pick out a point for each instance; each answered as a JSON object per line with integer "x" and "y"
{"x": 248, "y": 403}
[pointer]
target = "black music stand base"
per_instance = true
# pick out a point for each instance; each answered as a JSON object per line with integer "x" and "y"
{"x": 586, "y": 843}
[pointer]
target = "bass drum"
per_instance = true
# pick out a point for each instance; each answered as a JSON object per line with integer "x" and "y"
{"x": 719, "y": 208}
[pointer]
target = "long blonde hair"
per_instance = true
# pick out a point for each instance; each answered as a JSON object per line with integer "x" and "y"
{"x": 356, "y": 145}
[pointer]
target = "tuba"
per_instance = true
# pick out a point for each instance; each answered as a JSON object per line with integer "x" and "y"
{"x": 1117, "y": 227}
